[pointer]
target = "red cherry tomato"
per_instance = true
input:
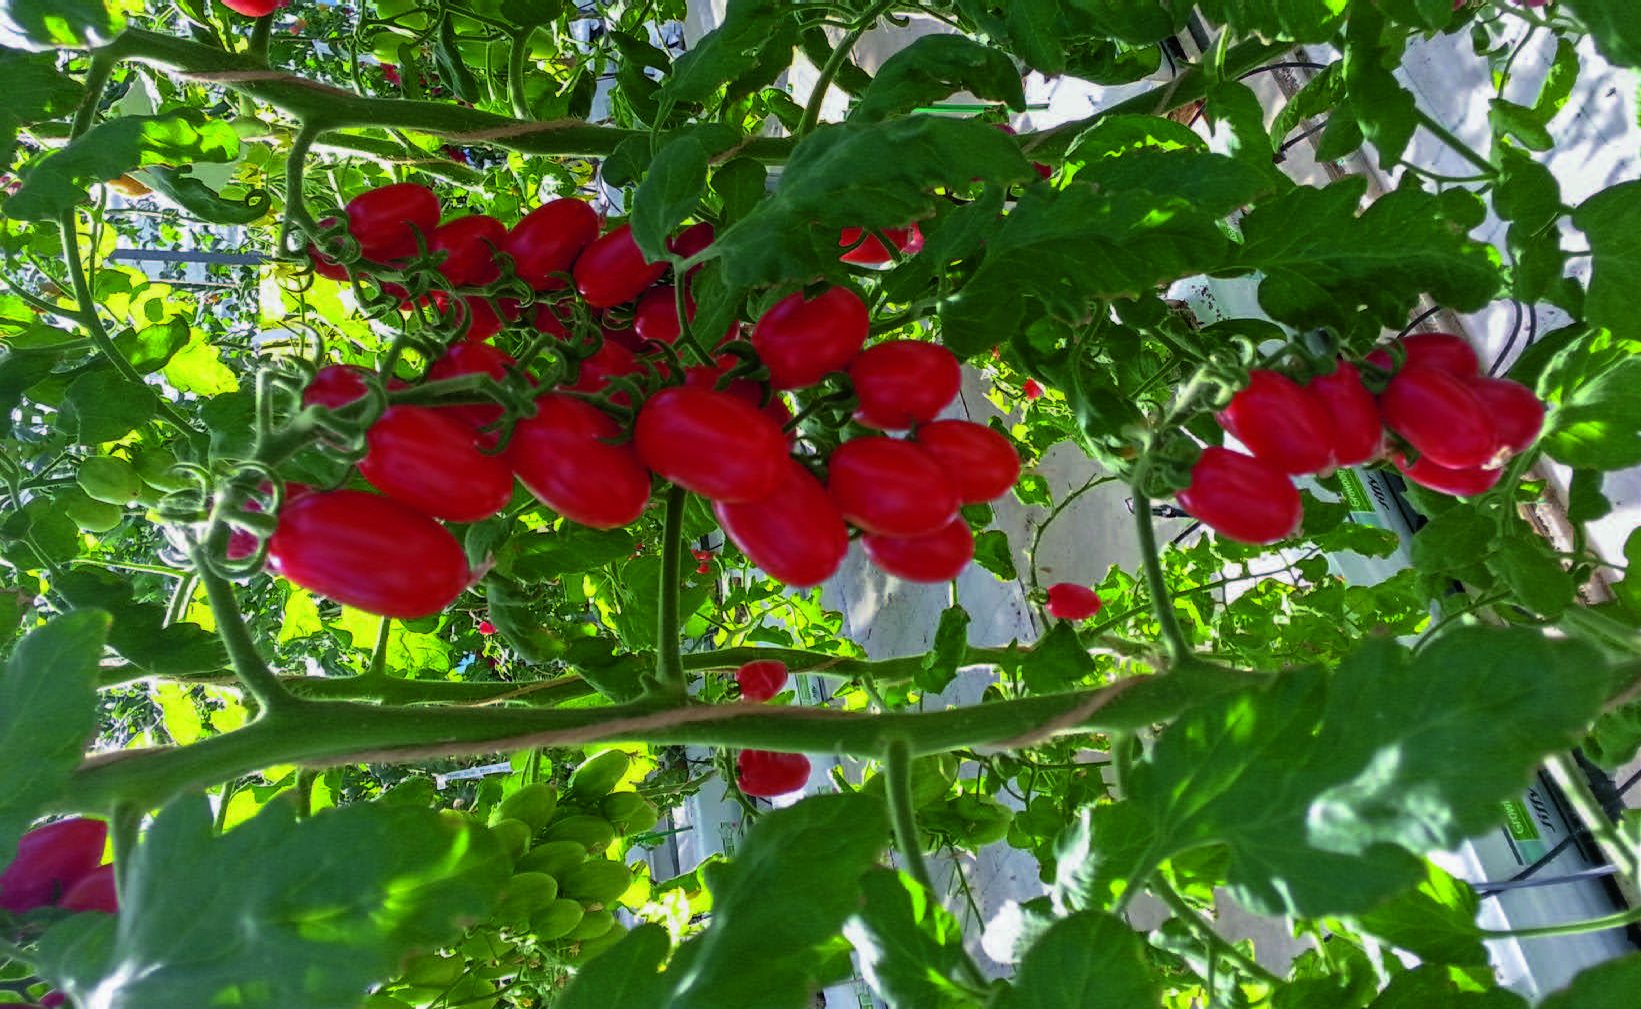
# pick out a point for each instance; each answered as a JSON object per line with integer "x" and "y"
{"x": 1439, "y": 351}
{"x": 50, "y": 859}
{"x": 1441, "y": 416}
{"x": 909, "y": 240}
{"x": 335, "y": 386}
{"x": 1032, "y": 389}
{"x": 385, "y": 221}
{"x": 481, "y": 319}
{"x": 471, "y": 243}
{"x": 1242, "y": 498}
{"x": 903, "y": 382}
{"x": 255, "y": 8}
{"x": 802, "y": 342}
{"x": 979, "y": 463}
{"x": 368, "y": 552}
{"x": 1070, "y": 601}
{"x": 656, "y": 317}
{"x": 325, "y": 266}
{"x": 94, "y": 891}
{"x": 718, "y": 446}
{"x": 432, "y": 462}
{"x": 565, "y": 456}
{"x": 1280, "y": 423}
{"x": 939, "y": 556}
{"x": 692, "y": 240}
{"x": 1358, "y": 433}
{"x": 612, "y": 271}
{"x": 766, "y": 774}
{"x": 471, "y": 358}
{"x": 1517, "y": 414}
{"x": 761, "y": 679}
{"x": 548, "y": 239}
{"x": 795, "y": 534}
{"x": 608, "y": 361}
{"x": 890, "y": 487}
{"x": 1466, "y": 482}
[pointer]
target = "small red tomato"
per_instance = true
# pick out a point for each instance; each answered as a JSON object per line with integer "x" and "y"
{"x": 936, "y": 557}
{"x": 368, "y": 552}
{"x": 1517, "y": 414}
{"x": 704, "y": 568}
{"x": 1070, "y": 601}
{"x": 692, "y": 240}
{"x": 607, "y": 362}
{"x": 547, "y": 240}
{"x": 432, "y": 462}
{"x": 612, "y": 271}
{"x": 766, "y": 774}
{"x": 908, "y": 240}
{"x": 255, "y": 8}
{"x": 903, "y": 382}
{"x": 94, "y": 891}
{"x": 801, "y": 342}
{"x": 1458, "y": 482}
{"x": 486, "y": 628}
{"x": 795, "y": 534}
{"x": 52, "y": 1000}
{"x": 656, "y": 317}
{"x": 1281, "y": 423}
{"x": 1440, "y": 415}
{"x": 980, "y": 464}
{"x": 325, "y": 266}
{"x": 890, "y": 487}
{"x": 390, "y": 72}
{"x": 49, "y": 860}
{"x": 386, "y": 220}
{"x": 471, "y": 358}
{"x": 712, "y": 443}
{"x": 761, "y": 679}
{"x": 470, "y": 243}
{"x": 1439, "y": 351}
{"x": 1242, "y": 498}
{"x": 1358, "y": 433}
{"x": 335, "y": 386}
{"x": 1032, "y": 389}
{"x": 481, "y": 321}
{"x": 565, "y": 456}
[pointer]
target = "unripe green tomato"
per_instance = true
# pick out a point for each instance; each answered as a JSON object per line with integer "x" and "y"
{"x": 110, "y": 479}
{"x": 471, "y": 992}
{"x": 430, "y": 970}
{"x": 597, "y": 775}
{"x": 556, "y": 920}
{"x": 555, "y": 858}
{"x": 384, "y": 1002}
{"x": 89, "y": 514}
{"x": 487, "y": 946}
{"x": 987, "y": 819}
{"x": 156, "y": 465}
{"x": 513, "y": 836}
{"x": 527, "y": 893}
{"x": 534, "y": 804}
{"x": 592, "y": 832}
{"x": 588, "y": 948}
{"x": 596, "y": 882}
{"x": 629, "y": 812}
{"x": 592, "y": 925}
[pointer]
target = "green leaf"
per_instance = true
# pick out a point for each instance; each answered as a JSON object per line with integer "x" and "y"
{"x": 627, "y": 974}
{"x": 1432, "y": 14}
{"x": 1058, "y": 661}
{"x": 1452, "y": 539}
{"x": 321, "y": 907}
{"x": 1520, "y": 122}
{"x": 1323, "y": 262}
{"x": 35, "y": 91}
{"x": 1616, "y": 27}
{"x": 1384, "y": 109}
{"x": 193, "y": 195}
{"x": 1435, "y": 921}
{"x": 151, "y": 348}
{"x": 739, "y": 184}
{"x": 102, "y": 406}
{"x": 1533, "y": 573}
{"x": 198, "y": 368}
{"x": 1138, "y": 22}
{"x": 1322, "y": 93}
{"x": 993, "y": 552}
{"x": 1298, "y": 20}
{"x": 1090, "y": 960}
{"x": 543, "y": 556}
{"x": 139, "y": 633}
{"x": 909, "y": 946}
{"x": 1611, "y": 219}
{"x": 1527, "y": 192}
{"x": 451, "y": 64}
{"x": 951, "y": 643}
{"x": 934, "y": 67}
{"x": 48, "y": 712}
{"x": 1599, "y": 426}
{"x": 1429, "y": 986}
{"x": 522, "y": 621}
{"x": 1031, "y": 29}
{"x": 786, "y": 893}
{"x": 57, "y": 24}
{"x": 1585, "y": 501}
{"x": 20, "y": 370}
{"x": 737, "y": 45}
{"x": 1610, "y": 985}
{"x": 59, "y": 181}
{"x": 673, "y": 187}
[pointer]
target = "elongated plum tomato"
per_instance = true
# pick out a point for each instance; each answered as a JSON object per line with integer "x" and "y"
{"x": 50, "y": 859}
{"x": 801, "y": 342}
{"x": 255, "y": 8}
{"x": 712, "y": 443}
{"x": 385, "y": 221}
{"x": 1517, "y": 414}
{"x": 368, "y": 552}
{"x": 909, "y": 240}
{"x": 1440, "y": 416}
{"x": 612, "y": 271}
{"x": 470, "y": 244}
{"x": 566, "y": 456}
{"x": 1358, "y": 433}
{"x": 1441, "y": 351}
{"x": 548, "y": 239}
{"x": 335, "y": 386}
{"x": 93, "y": 892}
{"x": 1281, "y": 423}
{"x": 979, "y": 463}
{"x": 1466, "y": 482}
{"x": 1070, "y": 601}
{"x": 607, "y": 362}
{"x": 432, "y": 462}
{"x": 890, "y": 487}
{"x": 1242, "y": 498}
{"x": 766, "y": 774}
{"x": 935, "y": 557}
{"x": 761, "y": 679}
{"x": 692, "y": 240}
{"x": 471, "y": 358}
{"x": 795, "y": 534}
{"x": 903, "y": 382}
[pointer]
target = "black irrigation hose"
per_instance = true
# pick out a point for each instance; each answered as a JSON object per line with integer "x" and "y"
{"x": 1532, "y": 334}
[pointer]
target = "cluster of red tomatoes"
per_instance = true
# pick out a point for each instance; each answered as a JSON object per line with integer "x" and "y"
{"x": 61, "y": 865}
{"x": 723, "y": 431}
{"x": 1439, "y": 420}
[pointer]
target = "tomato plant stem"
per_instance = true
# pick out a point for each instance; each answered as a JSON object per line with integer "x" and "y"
{"x": 124, "y": 828}
{"x": 1459, "y": 147}
{"x": 1619, "y": 920}
{"x": 671, "y": 681}
{"x": 258, "y": 679}
{"x": 1205, "y": 932}
{"x": 834, "y": 63}
{"x": 1173, "y": 639}
{"x": 1620, "y": 851}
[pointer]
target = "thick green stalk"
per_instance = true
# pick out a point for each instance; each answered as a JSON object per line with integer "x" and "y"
{"x": 254, "y": 674}
{"x": 834, "y": 63}
{"x": 1458, "y": 146}
{"x": 1206, "y": 934}
{"x": 1173, "y": 639}
{"x": 670, "y": 679}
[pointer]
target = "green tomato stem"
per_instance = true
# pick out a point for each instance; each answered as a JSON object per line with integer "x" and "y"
{"x": 258, "y": 680}
{"x": 670, "y": 678}
{"x": 1206, "y": 933}
{"x": 1569, "y": 776}
{"x": 1173, "y": 639}
{"x": 1459, "y": 147}
{"x": 1619, "y": 920}
{"x": 834, "y": 63}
